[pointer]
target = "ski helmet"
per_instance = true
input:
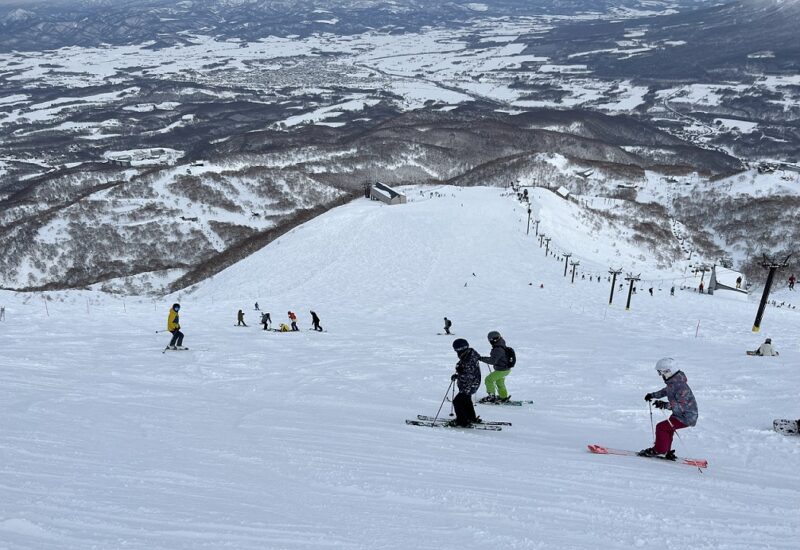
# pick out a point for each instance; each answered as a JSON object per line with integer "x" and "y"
{"x": 666, "y": 367}
{"x": 459, "y": 344}
{"x": 493, "y": 336}
{"x": 176, "y": 307}
{"x": 768, "y": 341}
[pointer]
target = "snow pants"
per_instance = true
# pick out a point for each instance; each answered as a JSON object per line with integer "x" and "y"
{"x": 317, "y": 326}
{"x": 497, "y": 379}
{"x": 177, "y": 338}
{"x": 464, "y": 409}
{"x": 294, "y": 326}
{"x": 664, "y": 432}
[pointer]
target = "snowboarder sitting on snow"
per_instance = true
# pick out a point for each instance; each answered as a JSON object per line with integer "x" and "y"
{"x": 240, "y": 317}
{"x": 284, "y": 327}
{"x": 266, "y": 320}
{"x": 447, "y": 324}
{"x": 680, "y": 401}
{"x": 315, "y": 322}
{"x": 766, "y": 349}
{"x": 174, "y": 326}
{"x": 468, "y": 380}
{"x": 496, "y": 380}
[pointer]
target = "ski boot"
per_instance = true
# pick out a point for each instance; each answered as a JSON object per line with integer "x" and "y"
{"x": 650, "y": 452}
{"x": 488, "y": 399}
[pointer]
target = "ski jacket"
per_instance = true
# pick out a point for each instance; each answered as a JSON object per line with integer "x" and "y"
{"x": 767, "y": 350}
{"x": 292, "y": 316}
{"x": 681, "y": 398}
{"x": 468, "y": 369}
{"x": 240, "y": 315}
{"x": 173, "y": 321}
{"x": 497, "y": 357}
{"x": 448, "y": 323}
{"x": 314, "y": 318}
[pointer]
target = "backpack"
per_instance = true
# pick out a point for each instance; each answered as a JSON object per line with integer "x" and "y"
{"x": 511, "y": 357}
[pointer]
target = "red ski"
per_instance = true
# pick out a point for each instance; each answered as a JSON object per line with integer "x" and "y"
{"x": 696, "y": 462}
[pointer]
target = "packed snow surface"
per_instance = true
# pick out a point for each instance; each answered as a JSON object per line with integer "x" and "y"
{"x": 265, "y": 440}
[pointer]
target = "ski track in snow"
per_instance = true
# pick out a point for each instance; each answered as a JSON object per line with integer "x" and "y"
{"x": 259, "y": 439}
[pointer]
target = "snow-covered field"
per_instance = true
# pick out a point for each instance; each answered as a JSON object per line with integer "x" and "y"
{"x": 258, "y": 439}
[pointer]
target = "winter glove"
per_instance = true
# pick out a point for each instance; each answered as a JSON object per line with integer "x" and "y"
{"x": 661, "y": 405}
{"x": 454, "y": 377}
{"x": 648, "y": 397}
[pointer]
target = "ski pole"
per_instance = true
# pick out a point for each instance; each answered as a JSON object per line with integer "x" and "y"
{"x": 652, "y": 426}
{"x": 453, "y": 396}
{"x": 435, "y": 418}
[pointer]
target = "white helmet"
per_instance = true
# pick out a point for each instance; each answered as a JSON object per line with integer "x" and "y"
{"x": 666, "y": 367}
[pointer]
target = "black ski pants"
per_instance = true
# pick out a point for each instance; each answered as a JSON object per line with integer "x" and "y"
{"x": 177, "y": 338}
{"x": 464, "y": 409}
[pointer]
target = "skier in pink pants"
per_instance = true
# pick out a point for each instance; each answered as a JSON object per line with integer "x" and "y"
{"x": 680, "y": 400}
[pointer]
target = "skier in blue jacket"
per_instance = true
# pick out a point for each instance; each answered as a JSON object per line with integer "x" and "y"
{"x": 680, "y": 400}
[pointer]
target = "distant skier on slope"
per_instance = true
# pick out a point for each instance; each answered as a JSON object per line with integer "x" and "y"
{"x": 266, "y": 320}
{"x": 256, "y": 308}
{"x": 315, "y": 322}
{"x": 447, "y": 324}
{"x": 174, "y": 326}
{"x": 792, "y": 280}
{"x": 681, "y": 402}
{"x": 766, "y": 349}
{"x": 240, "y": 317}
{"x": 293, "y": 320}
{"x": 468, "y": 380}
{"x": 499, "y": 359}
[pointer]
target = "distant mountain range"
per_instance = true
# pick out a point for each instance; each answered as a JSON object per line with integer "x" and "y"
{"x": 146, "y": 145}
{"x": 49, "y": 25}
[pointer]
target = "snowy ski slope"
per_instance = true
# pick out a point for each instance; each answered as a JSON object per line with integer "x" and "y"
{"x": 255, "y": 440}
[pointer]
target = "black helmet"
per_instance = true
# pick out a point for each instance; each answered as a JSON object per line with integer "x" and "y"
{"x": 493, "y": 336}
{"x": 768, "y": 341}
{"x": 176, "y": 307}
{"x": 459, "y": 344}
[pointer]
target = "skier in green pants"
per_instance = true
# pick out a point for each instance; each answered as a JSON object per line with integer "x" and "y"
{"x": 496, "y": 380}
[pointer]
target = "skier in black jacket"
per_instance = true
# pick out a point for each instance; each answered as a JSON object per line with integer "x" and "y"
{"x": 315, "y": 322}
{"x": 468, "y": 380}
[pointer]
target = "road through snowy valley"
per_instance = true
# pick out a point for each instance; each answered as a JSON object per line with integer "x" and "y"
{"x": 266, "y": 440}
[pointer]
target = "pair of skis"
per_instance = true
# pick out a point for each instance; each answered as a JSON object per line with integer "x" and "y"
{"x": 432, "y": 422}
{"x": 178, "y": 348}
{"x": 696, "y": 462}
{"x": 509, "y": 403}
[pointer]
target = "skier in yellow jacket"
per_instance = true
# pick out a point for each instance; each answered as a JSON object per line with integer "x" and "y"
{"x": 174, "y": 326}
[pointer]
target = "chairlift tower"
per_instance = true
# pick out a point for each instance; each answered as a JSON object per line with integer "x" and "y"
{"x": 613, "y": 272}
{"x": 772, "y": 266}
{"x": 631, "y": 279}
{"x": 574, "y": 266}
